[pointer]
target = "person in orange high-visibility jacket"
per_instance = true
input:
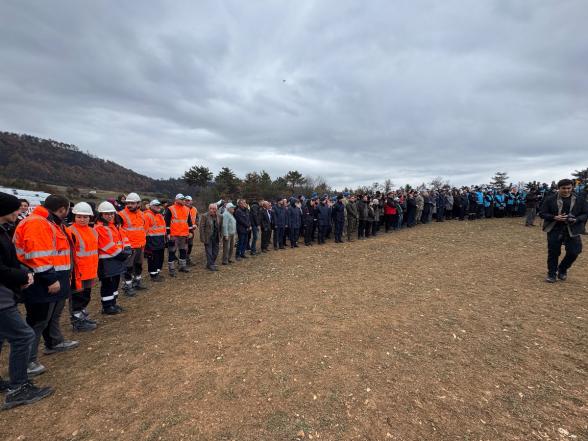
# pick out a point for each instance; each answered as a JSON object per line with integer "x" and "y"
{"x": 155, "y": 246}
{"x": 133, "y": 222}
{"x": 114, "y": 248}
{"x": 194, "y": 218}
{"x": 43, "y": 245}
{"x": 85, "y": 246}
{"x": 178, "y": 225}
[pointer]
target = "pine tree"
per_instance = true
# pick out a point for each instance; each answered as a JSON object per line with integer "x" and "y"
{"x": 198, "y": 176}
{"x": 499, "y": 180}
{"x": 227, "y": 182}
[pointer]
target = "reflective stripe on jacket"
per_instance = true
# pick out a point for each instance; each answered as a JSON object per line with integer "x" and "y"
{"x": 155, "y": 226}
{"x": 179, "y": 220}
{"x": 85, "y": 254}
{"x": 41, "y": 244}
{"x": 134, "y": 226}
{"x": 112, "y": 239}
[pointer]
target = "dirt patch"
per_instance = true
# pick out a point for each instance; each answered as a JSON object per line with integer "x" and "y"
{"x": 443, "y": 332}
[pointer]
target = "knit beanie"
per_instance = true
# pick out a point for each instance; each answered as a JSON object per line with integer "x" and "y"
{"x": 8, "y": 204}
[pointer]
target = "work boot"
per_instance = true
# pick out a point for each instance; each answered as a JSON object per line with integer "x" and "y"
{"x": 183, "y": 267}
{"x": 111, "y": 310}
{"x": 550, "y": 279}
{"x": 157, "y": 278}
{"x": 138, "y": 284}
{"x": 35, "y": 368}
{"x": 128, "y": 289}
{"x": 26, "y": 393}
{"x": 172, "y": 269}
{"x": 82, "y": 325}
{"x": 4, "y": 385}
{"x": 561, "y": 275}
{"x": 87, "y": 317}
{"x": 65, "y": 345}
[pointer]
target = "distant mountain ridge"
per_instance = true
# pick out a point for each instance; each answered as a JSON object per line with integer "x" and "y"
{"x": 25, "y": 157}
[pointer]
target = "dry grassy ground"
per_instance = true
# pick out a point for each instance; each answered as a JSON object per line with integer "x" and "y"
{"x": 443, "y": 332}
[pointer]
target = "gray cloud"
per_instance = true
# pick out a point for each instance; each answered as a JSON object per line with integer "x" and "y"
{"x": 353, "y": 91}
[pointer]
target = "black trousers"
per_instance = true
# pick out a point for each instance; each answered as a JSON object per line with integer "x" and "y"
{"x": 361, "y": 228}
{"x": 109, "y": 290}
{"x": 265, "y": 239}
{"x": 307, "y": 234}
{"x": 44, "y": 319}
{"x": 322, "y": 233}
{"x": 339, "y": 231}
{"x": 572, "y": 245}
{"x": 294, "y": 233}
{"x": 79, "y": 300}
{"x": 154, "y": 261}
{"x": 279, "y": 237}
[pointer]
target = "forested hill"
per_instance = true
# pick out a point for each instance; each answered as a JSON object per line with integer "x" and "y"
{"x": 24, "y": 157}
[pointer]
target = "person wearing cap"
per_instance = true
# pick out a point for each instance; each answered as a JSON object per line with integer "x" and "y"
{"x": 155, "y": 243}
{"x": 194, "y": 218}
{"x": 280, "y": 222}
{"x": 42, "y": 244}
{"x": 178, "y": 225}
{"x": 229, "y": 228}
{"x": 114, "y": 249}
{"x": 85, "y": 253}
{"x": 294, "y": 221}
{"x": 13, "y": 278}
{"x": 211, "y": 234}
{"x": 338, "y": 211}
{"x": 308, "y": 220}
{"x": 133, "y": 223}
{"x": 352, "y": 217}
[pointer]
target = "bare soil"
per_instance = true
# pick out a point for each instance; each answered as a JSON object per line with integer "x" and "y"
{"x": 442, "y": 332}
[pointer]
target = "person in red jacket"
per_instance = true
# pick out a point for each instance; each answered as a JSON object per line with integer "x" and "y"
{"x": 133, "y": 223}
{"x": 85, "y": 246}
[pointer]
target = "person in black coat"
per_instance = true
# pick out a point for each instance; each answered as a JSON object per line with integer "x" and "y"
{"x": 564, "y": 215}
{"x": 338, "y": 211}
{"x": 294, "y": 221}
{"x": 13, "y": 328}
{"x": 243, "y": 219}
{"x": 265, "y": 223}
{"x": 308, "y": 221}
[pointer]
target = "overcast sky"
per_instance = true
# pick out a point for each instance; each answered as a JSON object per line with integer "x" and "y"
{"x": 354, "y": 91}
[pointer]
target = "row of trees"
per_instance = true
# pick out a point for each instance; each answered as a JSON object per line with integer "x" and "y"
{"x": 255, "y": 185}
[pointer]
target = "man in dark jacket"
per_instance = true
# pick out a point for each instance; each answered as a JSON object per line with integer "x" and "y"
{"x": 308, "y": 221}
{"x": 564, "y": 215}
{"x": 294, "y": 221}
{"x": 362, "y": 212}
{"x": 243, "y": 219}
{"x": 280, "y": 223}
{"x": 255, "y": 216}
{"x": 12, "y": 327}
{"x": 531, "y": 207}
{"x": 265, "y": 222}
{"x": 339, "y": 219}
{"x": 323, "y": 214}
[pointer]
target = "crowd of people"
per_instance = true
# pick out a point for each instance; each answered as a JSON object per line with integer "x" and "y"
{"x": 52, "y": 256}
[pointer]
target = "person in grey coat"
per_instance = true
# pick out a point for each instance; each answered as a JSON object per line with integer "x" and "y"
{"x": 229, "y": 228}
{"x": 210, "y": 235}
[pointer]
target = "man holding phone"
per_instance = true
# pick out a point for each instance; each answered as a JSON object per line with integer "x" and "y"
{"x": 564, "y": 215}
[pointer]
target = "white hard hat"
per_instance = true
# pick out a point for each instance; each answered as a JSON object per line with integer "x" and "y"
{"x": 154, "y": 202}
{"x": 188, "y": 198}
{"x": 133, "y": 197}
{"x": 106, "y": 207}
{"x": 82, "y": 208}
{"x": 179, "y": 196}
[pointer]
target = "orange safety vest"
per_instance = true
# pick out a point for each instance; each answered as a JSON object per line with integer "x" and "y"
{"x": 42, "y": 245}
{"x": 111, "y": 240}
{"x": 134, "y": 226}
{"x": 154, "y": 224}
{"x": 85, "y": 254}
{"x": 193, "y": 216}
{"x": 179, "y": 220}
